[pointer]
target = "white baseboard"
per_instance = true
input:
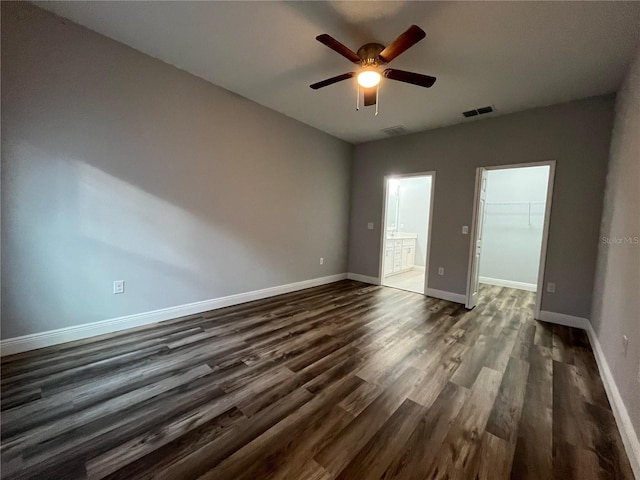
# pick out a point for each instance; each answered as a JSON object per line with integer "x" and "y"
{"x": 563, "y": 319}
{"x": 363, "y": 278}
{"x": 10, "y": 346}
{"x": 418, "y": 268}
{"x": 628, "y": 433}
{"x": 531, "y": 287}
{"x": 441, "y": 294}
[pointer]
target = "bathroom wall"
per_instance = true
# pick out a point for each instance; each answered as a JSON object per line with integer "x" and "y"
{"x": 415, "y": 202}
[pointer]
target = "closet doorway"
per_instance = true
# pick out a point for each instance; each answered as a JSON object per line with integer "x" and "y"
{"x": 510, "y": 227}
{"x": 407, "y": 230}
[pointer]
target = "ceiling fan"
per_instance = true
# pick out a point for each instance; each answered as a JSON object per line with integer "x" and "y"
{"x": 371, "y": 57}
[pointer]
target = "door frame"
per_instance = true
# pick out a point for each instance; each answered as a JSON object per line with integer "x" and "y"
{"x": 545, "y": 229}
{"x": 383, "y": 224}
{"x": 475, "y": 269}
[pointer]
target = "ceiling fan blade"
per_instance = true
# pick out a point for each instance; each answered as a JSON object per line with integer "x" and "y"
{"x": 407, "y": 40}
{"x": 370, "y": 95}
{"x": 336, "y": 46}
{"x": 410, "y": 77}
{"x": 332, "y": 80}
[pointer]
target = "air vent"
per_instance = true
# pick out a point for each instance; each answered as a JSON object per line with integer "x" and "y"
{"x": 479, "y": 111}
{"x": 397, "y": 130}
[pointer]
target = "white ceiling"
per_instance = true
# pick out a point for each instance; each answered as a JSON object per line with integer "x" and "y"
{"x": 513, "y": 55}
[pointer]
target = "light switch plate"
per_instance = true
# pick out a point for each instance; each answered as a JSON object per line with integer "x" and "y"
{"x": 370, "y": 225}
{"x": 465, "y": 230}
{"x": 551, "y": 287}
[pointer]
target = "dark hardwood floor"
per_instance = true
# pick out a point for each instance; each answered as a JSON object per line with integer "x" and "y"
{"x": 345, "y": 381}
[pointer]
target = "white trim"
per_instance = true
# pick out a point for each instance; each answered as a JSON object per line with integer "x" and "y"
{"x": 418, "y": 268}
{"x": 545, "y": 237}
{"x": 531, "y": 287}
{"x": 450, "y": 296}
{"x": 383, "y": 229}
{"x": 627, "y": 432}
{"x": 10, "y": 346}
{"x": 563, "y": 319}
{"x": 545, "y": 229}
{"x": 363, "y": 278}
{"x": 427, "y": 256}
{"x": 474, "y": 240}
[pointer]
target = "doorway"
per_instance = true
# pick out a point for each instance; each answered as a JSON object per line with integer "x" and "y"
{"x": 510, "y": 228}
{"x": 406, "y": 232}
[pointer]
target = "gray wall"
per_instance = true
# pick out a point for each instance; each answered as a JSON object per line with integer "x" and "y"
{"x": 118, "y": 166}
{"x": 574, "y": 134}
{"x": 616, "y": 297}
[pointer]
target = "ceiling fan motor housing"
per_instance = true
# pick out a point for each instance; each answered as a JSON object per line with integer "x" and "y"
{"x": 370, "y": 54}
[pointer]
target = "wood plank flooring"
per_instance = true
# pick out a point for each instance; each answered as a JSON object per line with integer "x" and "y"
{"x": 344, "y": 381}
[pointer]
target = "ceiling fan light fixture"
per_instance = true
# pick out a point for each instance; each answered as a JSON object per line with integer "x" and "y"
{"x": 372, "y": 58}
{"x": 368, "y": 78}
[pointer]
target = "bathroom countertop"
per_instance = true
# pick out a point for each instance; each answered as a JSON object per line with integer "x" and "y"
{"x": 402, "y": 236}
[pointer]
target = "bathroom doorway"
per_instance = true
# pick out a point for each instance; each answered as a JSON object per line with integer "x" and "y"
{"x": 406, "y": 232}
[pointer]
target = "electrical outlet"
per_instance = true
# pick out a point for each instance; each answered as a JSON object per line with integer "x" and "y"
{"x": 551, "y": 287}
{"x": 625, "y": 344}
{"x": 370, "y": 225}
{"x": 118, "y": 286}
{"x": 321, "y": 260}
{"x": 441, "y": 271}
{"x": 465, "y": 230}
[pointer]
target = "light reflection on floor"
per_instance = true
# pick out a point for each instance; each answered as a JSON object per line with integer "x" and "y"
{"x": 412, "y": 280}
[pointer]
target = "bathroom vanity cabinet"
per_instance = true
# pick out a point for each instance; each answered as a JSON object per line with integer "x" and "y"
{"x": 400, "y": 253}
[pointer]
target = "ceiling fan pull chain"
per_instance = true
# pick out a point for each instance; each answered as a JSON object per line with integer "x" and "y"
{"x": 377, "y": 99}
{"x": 357, "y": 97}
